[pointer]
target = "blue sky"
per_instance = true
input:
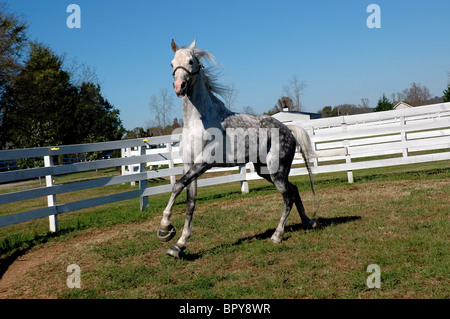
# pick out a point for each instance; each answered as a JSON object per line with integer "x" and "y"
{"x": 259, "y": 45}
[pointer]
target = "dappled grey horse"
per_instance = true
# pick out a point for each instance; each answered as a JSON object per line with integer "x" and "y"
{"x": 214, "y": 136}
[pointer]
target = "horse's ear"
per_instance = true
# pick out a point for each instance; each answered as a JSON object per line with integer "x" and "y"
{"x": 192, "y": 46}
{"x": 174, "y": 46}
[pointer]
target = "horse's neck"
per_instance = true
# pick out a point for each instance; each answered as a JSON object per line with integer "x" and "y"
{"x": 202, "y": 105}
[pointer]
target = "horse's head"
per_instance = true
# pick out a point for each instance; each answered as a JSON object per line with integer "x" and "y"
{"x": 186, "y": 67}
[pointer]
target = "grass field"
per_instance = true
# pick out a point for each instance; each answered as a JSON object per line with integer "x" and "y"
{"x": 397, "y": 218}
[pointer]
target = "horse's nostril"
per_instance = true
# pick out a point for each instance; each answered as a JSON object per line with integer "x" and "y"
{"x": 183, "y": 85}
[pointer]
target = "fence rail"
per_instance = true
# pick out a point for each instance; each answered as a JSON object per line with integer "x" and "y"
{"x": 344, "y": 143}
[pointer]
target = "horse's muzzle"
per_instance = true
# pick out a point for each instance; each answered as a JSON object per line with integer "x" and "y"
{"x": 180, "y": 87}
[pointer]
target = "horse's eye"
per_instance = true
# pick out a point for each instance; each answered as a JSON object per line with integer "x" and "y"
{"x": 191, "y": 62}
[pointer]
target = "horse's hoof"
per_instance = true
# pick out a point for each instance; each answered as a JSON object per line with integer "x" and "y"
{"x": 275, "y": 239}
{"x": 176, "y": 252}
{"x": 313, "y": 224}
{"x": 166, "y": 235}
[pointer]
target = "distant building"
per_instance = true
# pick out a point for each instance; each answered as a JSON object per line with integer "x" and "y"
{"x": 287, "y": 116}
{"x": 402, "y": 105}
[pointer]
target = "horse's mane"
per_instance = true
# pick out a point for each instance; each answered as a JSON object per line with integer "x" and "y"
{"x": 211, "y": 73}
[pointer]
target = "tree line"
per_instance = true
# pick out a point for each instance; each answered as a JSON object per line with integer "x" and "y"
{"x": 416, "y": 95}
{"x": 42, "y": 101}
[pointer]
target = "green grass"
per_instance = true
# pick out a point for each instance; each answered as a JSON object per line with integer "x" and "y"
{"x": 395, "y": 217}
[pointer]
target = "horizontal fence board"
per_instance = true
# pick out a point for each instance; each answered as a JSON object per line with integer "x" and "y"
{"x": 361, "y": 141}
{"x": 27, "y": 216}
{"x": 381, "y": 163}
{"x": 378, "y": 131}
{"x": 220, "y": 180}
{"x": 427, "y": 134}
{"x": 65, "y": 208}
{"x": 79, "y": 167}
{"x": 155, "y": 190}
{"x": 68, "y": 187}
{"x": 97, "y": 201}
{"x": 373, "y": 149}
{"x": 86, "y": 148}
{"x": 423, "y": 111}
{"x": 86, "y": 184}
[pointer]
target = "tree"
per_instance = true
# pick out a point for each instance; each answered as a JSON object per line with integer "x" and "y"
{"x": 248, "y": 110}
{"x": 230, "y": 96}
{"x": 97, "y": 119}
{"x": 30, "y": 104}
{"x": 415, "y": 95}
{"x": 384, "y": 104}
{"x": 446, "y": 97}
{"x": 326, "y": 111}
{"x": 160, "y": 108}
{"x": 346, "y": 109}
{"x": 12, "y": 46}
{"x": 294, "y": 90}
{"x": 137, "y": 132}
{"x": 41, "y": 107}
{"x": 418, "y": 94}
{"x": 175, "y": 124}
{"x": 283, "y": 102}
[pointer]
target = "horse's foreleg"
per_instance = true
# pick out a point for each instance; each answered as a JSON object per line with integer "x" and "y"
{"x": 167, "y": 231}
{"x": 190, "y": 207}
{"x": 178, "y": 249}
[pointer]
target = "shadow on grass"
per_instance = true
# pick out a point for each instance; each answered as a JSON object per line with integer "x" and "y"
{"x": 323, "y": 223}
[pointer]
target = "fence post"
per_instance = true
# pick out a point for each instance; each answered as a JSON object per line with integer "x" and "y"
{"x": 171, "y": 164}
{"x": 143, "y": 184}
{"x": 314, "y": 146}
{"x": 244, "y": 182}
{"x": 348, "y": 159}
{"x": 123, "y": 168}
{"x": 51, "y": 199}
{"x": 403, "y": 137}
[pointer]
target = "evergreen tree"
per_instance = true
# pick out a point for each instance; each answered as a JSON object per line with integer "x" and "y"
{"x": 41, "y": 107}
{"x": 31, "y": 103}
{"x": 384, "y": 104}
{"x": 446, "y": 97}
{"x": 12, "y": 44}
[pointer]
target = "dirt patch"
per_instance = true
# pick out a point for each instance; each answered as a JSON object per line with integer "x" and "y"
{"x": 19, "y": 280}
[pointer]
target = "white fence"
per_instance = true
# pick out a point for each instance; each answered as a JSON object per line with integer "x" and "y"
{"x": 345, "y": 143}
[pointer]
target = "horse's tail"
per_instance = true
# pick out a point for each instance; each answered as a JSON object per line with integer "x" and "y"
{"x": 306, "y": 148}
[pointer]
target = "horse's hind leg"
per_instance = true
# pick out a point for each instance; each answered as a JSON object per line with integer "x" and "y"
{"x": 286, "y": 191}
{"x": 279, "y": 180}
{"x": 290, "y": 196}
{"x": 309, "y": 223}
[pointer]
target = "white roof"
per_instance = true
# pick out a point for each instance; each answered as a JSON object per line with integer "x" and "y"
{"x": 402, "y": 105}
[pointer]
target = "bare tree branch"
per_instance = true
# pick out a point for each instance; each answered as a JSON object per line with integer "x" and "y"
{"x": 161, "y": 107}
{"x": 231, "y": 96}
{"x": 294, "y": 90}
